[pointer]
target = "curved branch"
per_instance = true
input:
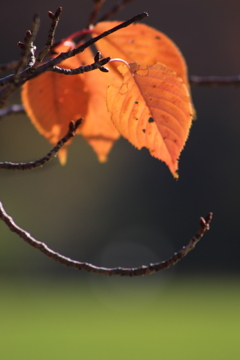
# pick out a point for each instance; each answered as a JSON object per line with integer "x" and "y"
{"x": 40, "y": 162}
{"x": 143, "y": 270}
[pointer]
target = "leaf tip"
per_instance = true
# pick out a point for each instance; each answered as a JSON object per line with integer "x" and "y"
{"x": 62, "y": 156}
{"x": 102, "y": 158}
{"x": 175, "y": 175}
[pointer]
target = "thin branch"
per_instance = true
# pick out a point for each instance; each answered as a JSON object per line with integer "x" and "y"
{"x": 40, "y": 162}
{"x": 13, "y": 109}
{"x": 94, "y": 14}
{"x": 143, "y": 270}
{"x": 215, "y": 80}
{"x": 115, "y": 9}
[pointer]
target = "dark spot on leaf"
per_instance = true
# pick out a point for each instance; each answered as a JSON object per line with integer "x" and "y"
{"x": 164, "y": 138}
{"x": 83, "y": 63}
{"x": 154, "y": 86}
{"x": 136, "y": 102}
{"x": 131, "y": 41}
{"x": 143, "y": 130}
{"x": 175, "y": 140}
{"x": 151, "y": 120}
{"x": 150, "y": 99}
{"x": 158, "y": 37}
{"x": 136, "y": 118}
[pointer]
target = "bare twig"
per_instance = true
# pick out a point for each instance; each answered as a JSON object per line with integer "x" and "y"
{"x": 27, "y": 48}
{"x": 13, "y": 109}
{"x": 27, "y": 58}
{"x": 143, "y": 270}
{"x": 40, "y": 162}
{"x": 215, "y": 80}
{"x": 115, "y": 9}
{"x": 50, "y": 40}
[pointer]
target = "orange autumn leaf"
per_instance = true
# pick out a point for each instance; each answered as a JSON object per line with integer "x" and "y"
{"x": 141, "y": 44}
{"x": 144, "y": 45}
{"x": 98, "y": 129}
{"x": 52, "y": 100}
{"x": 152, "y": 109}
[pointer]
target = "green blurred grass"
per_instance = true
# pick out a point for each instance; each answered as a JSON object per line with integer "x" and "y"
{"x": 184, "y": 319}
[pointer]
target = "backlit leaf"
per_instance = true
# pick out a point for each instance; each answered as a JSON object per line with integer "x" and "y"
{"x": 52, "y": 100}
{"x": 98, "y": 129}
{"x": 144, "y": 45}
{"x": 152, "y": 109}
{"x": 141, "y": 44}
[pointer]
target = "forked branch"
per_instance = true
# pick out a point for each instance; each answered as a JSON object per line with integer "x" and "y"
{"x": 138, "y": 271}
{"x": 40, "y": 162}
{"x": 25, "y": 75}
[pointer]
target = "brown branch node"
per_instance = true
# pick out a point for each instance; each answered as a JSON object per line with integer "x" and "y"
{"x": 82, "y": 69}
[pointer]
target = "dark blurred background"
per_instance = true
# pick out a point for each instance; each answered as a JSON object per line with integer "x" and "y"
{"x": 129, "y": 211}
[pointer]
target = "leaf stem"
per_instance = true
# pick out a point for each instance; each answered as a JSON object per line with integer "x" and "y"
{"x": 120, "y": 60}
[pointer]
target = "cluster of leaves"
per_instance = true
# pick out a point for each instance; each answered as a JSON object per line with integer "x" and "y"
{"x": 146, "y": 99}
